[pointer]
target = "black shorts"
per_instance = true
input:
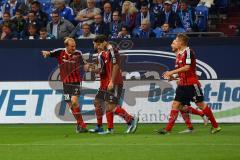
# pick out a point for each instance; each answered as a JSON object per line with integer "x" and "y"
{"x": 112, "y": 96}
{"x": 186, "y": 94}
{"x": 71, "y": 89}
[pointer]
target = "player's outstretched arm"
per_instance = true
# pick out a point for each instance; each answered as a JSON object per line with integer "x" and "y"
{"x": 46, "y": 54}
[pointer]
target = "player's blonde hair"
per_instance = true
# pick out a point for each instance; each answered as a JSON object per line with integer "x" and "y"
{"x": 184, "y": 38}
{"x": 67, "y": 40}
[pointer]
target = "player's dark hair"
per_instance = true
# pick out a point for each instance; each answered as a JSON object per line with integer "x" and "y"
{"x": 100, "y": 38}
{"x": 183, "y": 37}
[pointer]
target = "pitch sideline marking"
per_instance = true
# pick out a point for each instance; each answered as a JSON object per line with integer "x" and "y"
{"x": 99, "y": 144}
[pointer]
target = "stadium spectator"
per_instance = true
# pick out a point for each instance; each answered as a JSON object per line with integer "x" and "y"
{"x": 87, "y": 15}
{"x": 168, "y": 16}
{"x": 32, "y": 19}
{"x": 187, "y": 17}
{"x": 77, "y": 31}
{"x": 59, "y": 27}
{"x": 98, "y": 26}
{"x": 18, "y": 21}
{"x": 7, "y": 20}
{"x": 7, "y": 33}
{"x": 145, "y": 30}
{"x": 64, "y": 11}
{"x": 145, "y": 14}
{"x": 124, "y": 33}
{"x": 139, "y": 3}
{"x": 41, "y": 16}
{"x": 201, "y": 13}
{"x": 175, "y": 5}
{"x": 129, "y": 12}
{"x": 116, "y": 25}
{"x": 78, "y": 5}
{"x": 25, "y": 6}
{"x": 163, "y": 31}
{"x": 86, "y": 34}
{"x": 157, "y": 7}
{"x": 107, "y": 13}
{"x": 193, "y": 3}
{"x": 44, "y": 35}
{"x": 31, "y": 33}
{"x": 10, "y": 6}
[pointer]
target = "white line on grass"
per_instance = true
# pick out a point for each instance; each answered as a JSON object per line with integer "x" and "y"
{"x": 133, "y": 144}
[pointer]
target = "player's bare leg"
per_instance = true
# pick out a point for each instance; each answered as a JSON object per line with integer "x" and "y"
{"x": 75, "y": 108}
{"x": 208, "y": 112}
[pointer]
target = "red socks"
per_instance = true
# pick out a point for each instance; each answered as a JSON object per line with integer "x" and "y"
{"x": 122, "y": 113}
{"x": 109, "y": 116}
{"x": 208, "y": 112}
{"x": 99, "y": 115}
{"x": 186, "y": 118}
{"x": 194, "y": 111}
{"x": 172, "y": 119}
{"x": 78, "y": 116}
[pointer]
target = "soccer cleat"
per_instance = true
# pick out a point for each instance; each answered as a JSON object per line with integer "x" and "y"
{"x": 108, "y": 131}
{"x": 79, "y": 129}
{"x": 96, "y": 130}
{"x": 162, "y": 131}
{"x": 133, "y": 126}
{"x": 205, "y": 120}
{"x": 189, "y": 130}
{"x": 215, "y": 130}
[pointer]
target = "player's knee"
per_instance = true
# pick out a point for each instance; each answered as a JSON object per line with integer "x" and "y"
{"x": 201, "y": 105}
{"x": 96, "y": 103}
{"x": 183, "y": 108}
{"x": 175, "y": 105}
{"x": 74, "y": 104}
{"x": 110, "y": 107}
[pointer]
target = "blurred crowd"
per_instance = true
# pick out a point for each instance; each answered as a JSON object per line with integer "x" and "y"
{"x": 56, "y": 19}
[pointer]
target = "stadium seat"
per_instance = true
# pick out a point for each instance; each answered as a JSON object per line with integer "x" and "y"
{"x": 178, "y": 30}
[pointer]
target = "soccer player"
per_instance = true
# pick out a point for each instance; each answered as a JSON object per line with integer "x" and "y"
{"x": 111, "y": 85}
{"x": 186, "y": 110}
{"x": 189, "y": 87}
{"x": 70, "y": 61}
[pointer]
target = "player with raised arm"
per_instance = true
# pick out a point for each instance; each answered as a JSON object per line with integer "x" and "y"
{"x": 111, "y": 85}
{"x": 70, "y": 62}
{"x": 189, "y": 87}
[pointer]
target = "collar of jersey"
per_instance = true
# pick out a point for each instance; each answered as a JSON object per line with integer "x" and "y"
{"x": 181, "y": 52}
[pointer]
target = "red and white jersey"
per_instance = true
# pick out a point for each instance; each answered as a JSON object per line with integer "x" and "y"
{"x": 69, "y": 65}
{"x": 187, "y": 57}
{"x": 106, "y": 60}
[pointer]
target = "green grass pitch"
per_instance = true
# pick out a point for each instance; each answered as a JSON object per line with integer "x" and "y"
{"x": 60, "y": 142}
